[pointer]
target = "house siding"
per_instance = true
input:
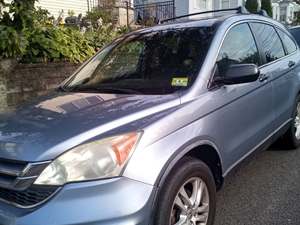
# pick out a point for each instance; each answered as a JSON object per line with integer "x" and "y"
{"x": 181, "y": 7}
{"x": 56, "y": 6}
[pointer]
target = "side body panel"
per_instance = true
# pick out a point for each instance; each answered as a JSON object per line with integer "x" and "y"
{"x": 282, "y": 73}
{"x": 234, "y": 119}
{"x": 284, "y": 86}
{"x": 234, "y": 129}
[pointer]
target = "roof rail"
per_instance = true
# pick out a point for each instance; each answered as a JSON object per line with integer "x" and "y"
{"x": 263, "y": 13}
{"x": 239, "y": 10}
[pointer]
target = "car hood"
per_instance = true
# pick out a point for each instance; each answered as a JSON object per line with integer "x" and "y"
{"x": 45, "y": 128}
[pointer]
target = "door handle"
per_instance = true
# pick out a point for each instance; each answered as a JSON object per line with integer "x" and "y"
{"x": 291, "y": 64}
{"x": 263, "y": 77}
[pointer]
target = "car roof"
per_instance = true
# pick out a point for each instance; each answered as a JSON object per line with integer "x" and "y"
{"x": 211, "y": 21}
{"x": 294, "y": 27}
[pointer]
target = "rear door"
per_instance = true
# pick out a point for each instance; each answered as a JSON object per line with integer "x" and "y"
{"x": 284, "y": 96}
{"x": 278, "y": 68}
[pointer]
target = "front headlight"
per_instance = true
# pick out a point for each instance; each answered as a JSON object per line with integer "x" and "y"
{"x": 99, "y": 159}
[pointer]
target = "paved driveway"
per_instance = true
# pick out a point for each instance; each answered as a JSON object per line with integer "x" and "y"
{"x": 263, "y": 191}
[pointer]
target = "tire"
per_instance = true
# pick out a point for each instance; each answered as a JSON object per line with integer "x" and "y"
{"x": 188, "y": 172}
{"x": 291, "y": 139}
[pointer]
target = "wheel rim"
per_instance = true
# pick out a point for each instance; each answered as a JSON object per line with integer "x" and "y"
{"x": 191, "y": 204}
{"x": 297, "y": 122}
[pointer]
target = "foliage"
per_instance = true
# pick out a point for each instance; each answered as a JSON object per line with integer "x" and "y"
{"x": 2, "y": 6}
{"x": 100, "y": 14}
{"x": 297, "y": 20}
{"x": 57, "y": 43}
{"x": 42, "y": 16}
{"x": 30, "y": 35}
{"x": 12, "y": 44}
{"x": 267, "y": 6}
{"x": 251, "y": 5}
{"x": 71, "y": 13}
{"x": 104, "y": 35}
{"x": 22, "y": 12}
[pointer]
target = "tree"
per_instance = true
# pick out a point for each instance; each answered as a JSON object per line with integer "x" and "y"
{"x": 267, "y": 6}
{"x": 2, "y": 6}
{"x": 2, "y": 3}
{"x": 19, "y": 14}
{"x": 251, "y": 5}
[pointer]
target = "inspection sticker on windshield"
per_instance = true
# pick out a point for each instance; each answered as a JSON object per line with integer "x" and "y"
{"x": 180, "y": 81}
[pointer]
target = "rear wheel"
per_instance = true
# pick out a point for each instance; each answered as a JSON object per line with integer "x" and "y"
{"x": 189, "y": 195}
{"x": 291, "y": 138}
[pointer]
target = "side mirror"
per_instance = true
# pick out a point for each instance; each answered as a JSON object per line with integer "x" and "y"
{"x": 238, "y": 74}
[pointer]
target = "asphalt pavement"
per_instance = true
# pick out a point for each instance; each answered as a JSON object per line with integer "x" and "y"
{"x": 262, "y": 191}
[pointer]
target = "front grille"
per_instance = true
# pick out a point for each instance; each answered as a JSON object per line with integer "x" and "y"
{"x": 16, "y": 183}
{"x": 28, "y": 198}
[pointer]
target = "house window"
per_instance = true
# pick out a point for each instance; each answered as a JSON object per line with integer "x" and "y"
{"x": 201, "y": 4}
{"x": 225, "y": 4}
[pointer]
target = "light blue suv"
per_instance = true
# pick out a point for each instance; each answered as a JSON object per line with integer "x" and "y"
{"x": 145, "y": 131}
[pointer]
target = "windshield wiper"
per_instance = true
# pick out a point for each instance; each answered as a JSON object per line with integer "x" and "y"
{"x": 111, "y": 90}
{"x": 62, "y": 88}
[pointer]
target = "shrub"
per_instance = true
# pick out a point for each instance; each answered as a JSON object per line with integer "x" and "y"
{"x": 29, "y": 35}
{"x": 12, "y": 44}
{"x": 96, "y": 14}
{"x": 251, "y": 5}
{"x": 56, "y": 44}
{"x": 104, "y": 35}
{"x": 267, "y": 6}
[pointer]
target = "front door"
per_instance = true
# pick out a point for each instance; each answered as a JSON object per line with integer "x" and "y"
{"x": 247, "y": 113}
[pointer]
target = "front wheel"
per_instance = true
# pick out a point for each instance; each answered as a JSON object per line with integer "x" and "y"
{"x": 189, "y": 195}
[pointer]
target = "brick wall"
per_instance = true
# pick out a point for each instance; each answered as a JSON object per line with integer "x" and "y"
{"x": 20, "y": 82}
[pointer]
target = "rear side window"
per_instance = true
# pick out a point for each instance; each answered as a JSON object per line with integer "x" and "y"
{"x": 238, "y": 47}
{"x": 270, "y": 41}
{"x": 296, "y": 34}
{"x": 288, "y": 43}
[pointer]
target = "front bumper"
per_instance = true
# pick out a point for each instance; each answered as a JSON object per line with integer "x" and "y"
{"x": 118, "y": 201}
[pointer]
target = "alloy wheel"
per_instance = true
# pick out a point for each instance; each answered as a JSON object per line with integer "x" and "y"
{"x": 191, "y": 204}
{"x": 297, "y": 122}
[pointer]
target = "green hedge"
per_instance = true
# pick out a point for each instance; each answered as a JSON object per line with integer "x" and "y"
{"x": 28, "y": 35}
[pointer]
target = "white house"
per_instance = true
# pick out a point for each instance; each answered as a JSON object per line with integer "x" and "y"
{"x": 183, "y": 7}
{"x": 287, "y": 10}
{"x": 55, "y": 7}
{"x": 283, "y": 10}
{"x": 276, "y": 10}
{"x": 61, "y": 8}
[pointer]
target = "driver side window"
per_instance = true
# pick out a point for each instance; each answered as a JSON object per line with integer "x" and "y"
{"x": 238, "y": 47}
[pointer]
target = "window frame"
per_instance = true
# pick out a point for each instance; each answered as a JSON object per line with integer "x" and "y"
{"x": 297, "y": 29}
{"x": 290, "y": 36}
{"x": 210, "y": 83}
{"x": 260, "y": 45}
{"x": 229, "y": 5}
{"x": 196, "y": 2}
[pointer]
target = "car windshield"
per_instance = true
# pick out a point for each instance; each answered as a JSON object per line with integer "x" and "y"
{"x": 157, "y": 62}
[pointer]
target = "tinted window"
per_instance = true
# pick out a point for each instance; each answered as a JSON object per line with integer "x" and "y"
{"x": 238, "y": 47}
{"x": 296, "y": 33}
{"x": 289, "y": 44}
{"x": 157, "y": 62}
{"x": 272, "y": 46}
